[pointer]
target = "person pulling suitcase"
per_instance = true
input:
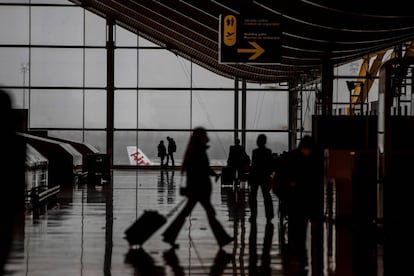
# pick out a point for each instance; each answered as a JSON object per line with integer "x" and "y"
{"x": 196, "y": 166}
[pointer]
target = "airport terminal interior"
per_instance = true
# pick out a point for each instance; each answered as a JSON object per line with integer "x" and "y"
{"x": 91, "y": 89}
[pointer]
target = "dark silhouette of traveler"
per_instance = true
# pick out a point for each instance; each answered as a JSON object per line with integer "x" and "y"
{"x": 221, "y": 260}
{"x": 196, "y": 166}
{"x": 260, "y": 176}
{"x": 143, "y": 263}
{"x": 264, "y": 268}
{"x": 12, "y": 166}
{"x": 171, "y": 149}
{"x": 301, "y": 174}
{"x": 162, "y": 153}
{"x": 238, "y": 161}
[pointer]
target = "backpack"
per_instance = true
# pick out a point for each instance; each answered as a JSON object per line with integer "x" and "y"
{"x": 173, "y": 146}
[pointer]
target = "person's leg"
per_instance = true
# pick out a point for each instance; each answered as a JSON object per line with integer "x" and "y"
{"x": 217, "y": 228}
{"x": 297, "y": 228}
{"x": 253, "y": 200}
{"x": 172, "y": 160}
{"x": 171, "y": 233}
{"x": 267, "y": 201}
{"x": 168, "y": 160}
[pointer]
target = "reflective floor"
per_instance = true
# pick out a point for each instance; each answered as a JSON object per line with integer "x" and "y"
{"x": 82, "y": 233}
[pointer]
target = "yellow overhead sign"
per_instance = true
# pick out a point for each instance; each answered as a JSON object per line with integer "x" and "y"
{"x": 230, "y": 30}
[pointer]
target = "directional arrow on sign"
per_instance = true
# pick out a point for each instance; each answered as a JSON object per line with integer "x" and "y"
{"x": 256, "y": 50}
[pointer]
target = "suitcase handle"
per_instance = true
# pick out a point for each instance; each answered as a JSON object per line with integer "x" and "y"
{"x": 173, "y": 210}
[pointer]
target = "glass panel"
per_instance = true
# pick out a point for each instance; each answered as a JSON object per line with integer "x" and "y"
{"x": 14, "y": 66}
{"x": 95, "y": 67}
{"x": 125, "y": 68}
{"x": 164, "y": 109}
{"x": 213, "y": 109}
{"x": 267, "y": 110}
{"x": 308, "y": 100}
{"x": 57, "y": 25}
{"x": 96, "y": 139}
{"x": 219, "y": 147}
{"x": 147, "y": 142}
{"x": 205, "y": 78}
{"x": 95, "y": 29}
{"x": 14, "y": 25}
{"x": 122, "y": 140}
{"x": 74, "y": 135}
{"x": 56, "y": 108}
{"x": 95, "y": 108}
{"x": 56, "y": 67}
{"x": 146, "y": 43}
{"x": 124, "y": 37}
{"x": 125, "y": 109}
{"x": 277, "y": 142}
{"x": 161, "y": 68}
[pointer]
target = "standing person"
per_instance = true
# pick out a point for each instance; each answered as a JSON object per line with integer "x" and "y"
{"x": 171, "y": 149}
{"x": 260, "y": 176}
{"x": 301, "y": 173}
{"x": 196, "y": 166}
{"x": 162, "y": 152}
{"x": 12, "y": 166}
{"x": 237, "y": 161}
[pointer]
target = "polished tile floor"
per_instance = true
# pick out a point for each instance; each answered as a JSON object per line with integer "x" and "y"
{"x": 82, "y": 233}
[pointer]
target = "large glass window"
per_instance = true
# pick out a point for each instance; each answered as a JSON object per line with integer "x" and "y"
{"x": 53, "y": 61}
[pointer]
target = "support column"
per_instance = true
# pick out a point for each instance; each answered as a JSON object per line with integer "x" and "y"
{"x": 110, "y": 89}
{"x": 292, "y": 116}
{"x": 327, "y": 87}
{"x": 244, "y": 109}
{"x": 236, "y": 108}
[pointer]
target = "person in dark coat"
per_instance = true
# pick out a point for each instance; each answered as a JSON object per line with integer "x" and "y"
{"x": 302, "y": 174}
{"x": 237, "y": 161}
{"x": 196, "y": 166}
{"x": 12, "y": 166}
{"x": 260, "y": 176}
{"x": 171, "y": 149}
{"x": 162, "y": 152}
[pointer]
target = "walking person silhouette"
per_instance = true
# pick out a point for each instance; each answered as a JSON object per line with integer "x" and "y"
{"x": 196, "y": 166}
{"x": 260, "y": 176}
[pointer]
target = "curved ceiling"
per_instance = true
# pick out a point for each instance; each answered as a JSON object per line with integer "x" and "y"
{"x": 313, "y": 31}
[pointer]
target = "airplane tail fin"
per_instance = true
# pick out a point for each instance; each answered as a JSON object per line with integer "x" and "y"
{"x": 137, "y": 157}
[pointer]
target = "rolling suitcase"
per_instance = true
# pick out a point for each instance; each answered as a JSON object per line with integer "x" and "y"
{"x": 147, "y": 224}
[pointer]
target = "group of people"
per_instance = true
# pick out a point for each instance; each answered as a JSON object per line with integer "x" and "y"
{"x": 167, "y": 152}
{"x": 295, "y": 178}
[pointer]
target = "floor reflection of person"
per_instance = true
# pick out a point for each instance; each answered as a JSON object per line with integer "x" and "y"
{"x": 143, "y": 263}
{"x": 221, "y": 260}
{"x": 12, "y": 166}
{"x": 198, "y": 172}
{"x": 264, "y": 268}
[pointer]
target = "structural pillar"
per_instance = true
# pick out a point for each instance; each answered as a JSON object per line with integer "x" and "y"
{"x": 244, "y": 111}
{"x": 236, "y": 108}
{"x": 110, "y": 89}
{"x": 292, "y": 116}
{"x": 327, "y": 87}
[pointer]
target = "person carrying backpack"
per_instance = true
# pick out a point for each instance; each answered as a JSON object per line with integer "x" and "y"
{"x": 171, "y": 149}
